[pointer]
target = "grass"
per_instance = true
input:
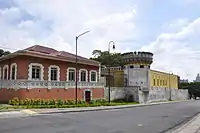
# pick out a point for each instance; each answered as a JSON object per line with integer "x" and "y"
{"x": 4, "y": 107}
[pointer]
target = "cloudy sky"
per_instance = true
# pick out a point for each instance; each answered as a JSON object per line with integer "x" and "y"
{"x": 168, "y": 28}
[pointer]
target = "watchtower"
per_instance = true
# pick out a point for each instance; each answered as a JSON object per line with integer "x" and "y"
{"x": 136, "y": 70}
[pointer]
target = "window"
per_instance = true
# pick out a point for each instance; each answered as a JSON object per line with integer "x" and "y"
{"x": 157, "y": 82}
{"x": 131, "y": 66}
{"x": 93, "y": 76}
{"x": 83, "y": 75}
{"x": 13, "y": 71}
{"x": 71, "y": 74}
{"x": 5, "y": 72}
{"x": 141, "y": 66}
{"x": 161, "y": 82}
{"x": 36, "y": 70}
{"x": 154, "y": 82}
{"x": 54, "y": 73}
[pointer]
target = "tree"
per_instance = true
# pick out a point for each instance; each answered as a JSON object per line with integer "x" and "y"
{"x": 114, "y": 59}
{"x": 193, "y": 88}
{"x": 3, "y": 53}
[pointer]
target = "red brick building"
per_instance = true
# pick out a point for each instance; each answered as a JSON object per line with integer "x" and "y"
{"x": 42, "y": 72}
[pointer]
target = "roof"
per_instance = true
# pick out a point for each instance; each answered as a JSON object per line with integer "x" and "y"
{"x": 50, "y": 53}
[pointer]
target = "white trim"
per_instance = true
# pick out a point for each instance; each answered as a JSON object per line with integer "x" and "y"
{"x": 91, "y": 76}
{"x": 99, "y": 72}
{"x": 72, "y": 68}
{"x": 15, "y": 65}
{"x": 90, "y": 94}
{"x": 4, "y": 67}
{"x": 86, "y": 79}
{"x": 30, "y": 70}
{"x": 0, "y": 73}
{"x": 58, "y": 72}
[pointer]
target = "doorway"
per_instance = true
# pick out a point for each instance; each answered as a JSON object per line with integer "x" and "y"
{"x": 88, "y": 96}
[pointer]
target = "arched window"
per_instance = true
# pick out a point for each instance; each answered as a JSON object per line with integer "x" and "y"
{"x": 5, "y": 72}
{"x": 13, "y": 71}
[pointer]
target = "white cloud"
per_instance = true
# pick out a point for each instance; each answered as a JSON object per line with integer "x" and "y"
{"x": 56, "y": 23}
{"x": 174, "y": 51}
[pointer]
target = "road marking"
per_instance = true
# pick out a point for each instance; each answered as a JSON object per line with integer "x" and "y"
{"x": 139, "y": 125}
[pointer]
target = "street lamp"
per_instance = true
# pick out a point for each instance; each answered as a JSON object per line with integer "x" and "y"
{"x": 76, "y": 81}
{"x": 113, "y": 46}
{"x": 170, "y": 86}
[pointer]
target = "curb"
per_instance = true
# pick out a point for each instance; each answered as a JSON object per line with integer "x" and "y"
{"x": 187, "y": 123}
{"x": 107, "y": 107}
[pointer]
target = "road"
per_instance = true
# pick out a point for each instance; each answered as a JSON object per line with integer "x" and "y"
{"x": 148, "y": 119}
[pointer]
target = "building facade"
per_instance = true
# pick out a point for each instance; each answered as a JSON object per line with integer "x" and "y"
{"x": 42, "y": 72}
{"x": 137, "y": 72}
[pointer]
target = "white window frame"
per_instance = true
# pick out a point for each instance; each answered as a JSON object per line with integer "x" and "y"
{"x": 0, "y": 73}
{"x": 71, "y": 68}
{"x": 58, "y": 72}
{"x": 91, "y": 75}
{"x": 86, "y": 79}
{"x": 4, "y": 67}
{"x": 30, "y": 71}
{"x": 11, "y": 66}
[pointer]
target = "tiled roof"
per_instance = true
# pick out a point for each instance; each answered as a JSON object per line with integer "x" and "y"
{"x": 46, "y": 52}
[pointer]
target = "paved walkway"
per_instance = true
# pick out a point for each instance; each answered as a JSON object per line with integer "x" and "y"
{"x": 193, "y": 126}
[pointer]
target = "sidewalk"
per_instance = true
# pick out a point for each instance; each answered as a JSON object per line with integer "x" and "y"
{"x": 193, "y": 126}
{"x": 82, "y": 109}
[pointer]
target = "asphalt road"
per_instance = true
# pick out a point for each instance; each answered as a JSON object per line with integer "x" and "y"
{"x": 149, "y": 119}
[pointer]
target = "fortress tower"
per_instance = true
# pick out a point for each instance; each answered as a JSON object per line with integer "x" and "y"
{"x": 137, "y": 69}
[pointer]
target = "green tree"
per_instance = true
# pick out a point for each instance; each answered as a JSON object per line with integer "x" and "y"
{"x": 193, "y": 88}
{"x": 112, "y": 59}
{"x": 3, "y": 53}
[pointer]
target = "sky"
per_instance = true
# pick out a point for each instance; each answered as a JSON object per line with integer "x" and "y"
{"x": 168, "y": 28}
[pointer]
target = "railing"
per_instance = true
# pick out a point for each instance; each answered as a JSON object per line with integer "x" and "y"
{"x": 18, "y": 84}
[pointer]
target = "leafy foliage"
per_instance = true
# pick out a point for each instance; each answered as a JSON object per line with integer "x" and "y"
{"x": 193, "y": 88}
{"x": 3, "y": 53}
{"x": 52, "y": 103}
{"x": 114, "y": 59}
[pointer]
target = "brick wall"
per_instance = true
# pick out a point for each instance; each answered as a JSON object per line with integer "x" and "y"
{"x": 44, "y": 93}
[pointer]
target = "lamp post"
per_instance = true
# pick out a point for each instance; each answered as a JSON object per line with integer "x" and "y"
{"x": 170, "y": 87}
{"x": 76, "y": 80}
{"x": 113, "y": 46}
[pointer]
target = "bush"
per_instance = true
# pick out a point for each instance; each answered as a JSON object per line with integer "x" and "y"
{"x": 53, "y": 103}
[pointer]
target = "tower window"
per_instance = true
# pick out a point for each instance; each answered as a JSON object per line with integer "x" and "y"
{"x": 141, "y": 66}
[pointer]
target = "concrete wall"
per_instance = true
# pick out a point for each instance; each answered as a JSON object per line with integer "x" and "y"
{"x": 163, "y": 95}
{"x": 146, "y": 97}
{"x": 130, "y": 93}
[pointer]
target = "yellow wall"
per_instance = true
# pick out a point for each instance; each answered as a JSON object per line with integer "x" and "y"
{"x": 118, "y": 79}
{"x": 163, "y": 80}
